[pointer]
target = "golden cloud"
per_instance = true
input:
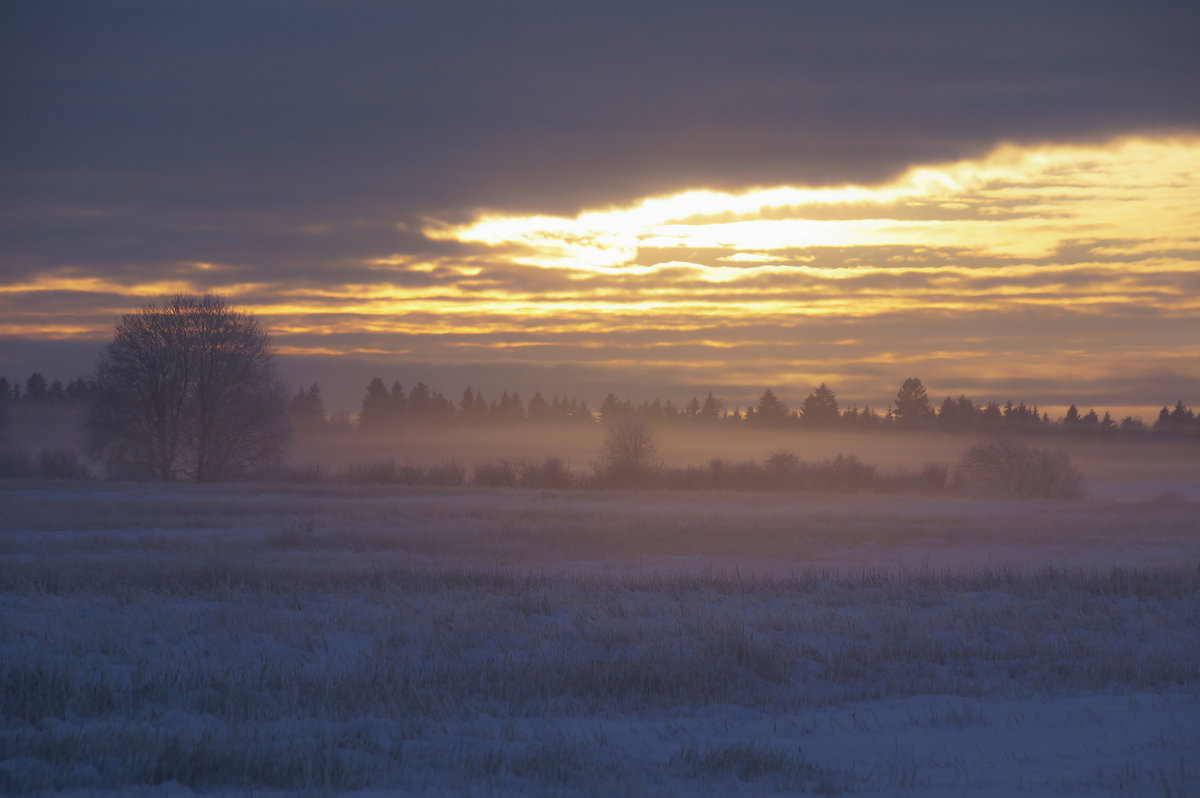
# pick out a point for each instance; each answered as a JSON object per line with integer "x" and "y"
{"x": 1083, "y": 259}
{"x": 1017, "y": 202}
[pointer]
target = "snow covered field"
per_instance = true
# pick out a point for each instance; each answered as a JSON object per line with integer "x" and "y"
{"x": 336, "y": 639}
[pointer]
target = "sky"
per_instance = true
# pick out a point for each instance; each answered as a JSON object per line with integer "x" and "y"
{"x": 653, "y": 198}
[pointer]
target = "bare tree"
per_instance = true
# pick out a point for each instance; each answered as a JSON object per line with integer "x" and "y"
{"x": 629, "y": 450}
{"x": 187, "y": 389}
{"x": 1009, "y": 469}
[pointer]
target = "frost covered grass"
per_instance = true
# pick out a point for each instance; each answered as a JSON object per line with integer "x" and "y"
{"x": 227, "y": 640}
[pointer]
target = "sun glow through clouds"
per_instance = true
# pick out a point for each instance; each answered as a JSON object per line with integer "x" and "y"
{"x": 1016, "y": 202}
{"x": 1068, "y": 260}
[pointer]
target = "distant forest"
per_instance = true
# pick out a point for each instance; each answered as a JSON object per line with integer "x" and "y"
{"x": 385, "y": 408}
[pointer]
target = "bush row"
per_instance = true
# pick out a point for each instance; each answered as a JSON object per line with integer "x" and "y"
{"x": 782, "y": 472}
{"x": 994, "y": 469}
{"x": 49, "y": 464}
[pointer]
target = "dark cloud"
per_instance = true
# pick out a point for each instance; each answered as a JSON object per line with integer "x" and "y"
{"x": 288, "y": 114}
{"x": 290, "y": 143}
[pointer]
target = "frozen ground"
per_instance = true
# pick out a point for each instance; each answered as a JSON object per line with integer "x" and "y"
{"x": 235, "y": 639}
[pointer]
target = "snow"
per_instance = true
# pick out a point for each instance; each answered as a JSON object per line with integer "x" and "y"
{"x": 221, "y": 640}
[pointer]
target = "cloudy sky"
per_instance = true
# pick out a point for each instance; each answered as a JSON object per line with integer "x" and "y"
{"x": 654, "y": 198}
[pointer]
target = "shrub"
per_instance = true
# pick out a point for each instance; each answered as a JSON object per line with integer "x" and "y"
{"x": 843, "y": 473}
{"x": 383, "y": 472}
{"x": 387, "y": 472}
{"x": 783, "y": 471}
{"x": 52, "y": 464}
{"x": 742, "y": 475}
{"x": 1012, "y": 470}
{"x": 495, "y": 475}
{"x": 410, "y": 474}
{"x": 15, "y": 464}
{"x": 301, "y": 474}
{"x": 781, "y": 468}
{"x": 931, "y": 479}
{"x": 629, "y": 449}
{"x": 782, "y": 461}
{"x": 61, "y": 464}
{"x": 552, "y": 473}
{"x": 934, "y": 477}
{"x": 445, "y": 475}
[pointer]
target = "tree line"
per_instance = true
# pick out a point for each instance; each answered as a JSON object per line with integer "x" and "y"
{"x": 36, "y": 390}
{"x": 385, "y": 408}
{"x": 188, "y": 389}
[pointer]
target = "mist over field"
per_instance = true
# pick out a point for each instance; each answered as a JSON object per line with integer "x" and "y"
{"x": 599, "y": 399}
{"x": 1117, "y": 468}
{"x": 339, "y": 638}
{"x": 1127, "y": 469}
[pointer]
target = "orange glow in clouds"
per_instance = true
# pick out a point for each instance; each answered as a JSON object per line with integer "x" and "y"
{"x": 1016, "y": 202}
{"x": 1037, "y": 234}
